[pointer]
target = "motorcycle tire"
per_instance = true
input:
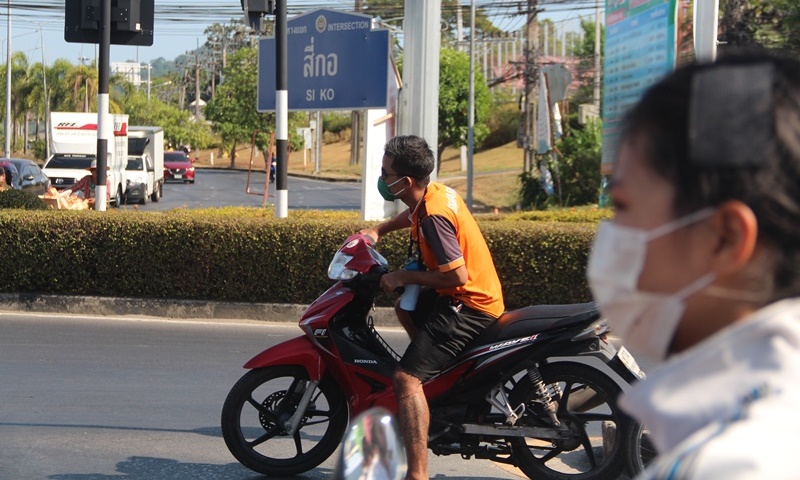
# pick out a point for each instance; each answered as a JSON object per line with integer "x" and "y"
{"x": 642, "y": 450}
{"x": 257, "y": 408}
{"x": 597, "y": 448}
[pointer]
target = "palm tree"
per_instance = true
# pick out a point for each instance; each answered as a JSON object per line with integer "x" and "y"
{"x": 19, "y": 94}
{"x": 82, "y": 81}
{"x": 57, "y": 84}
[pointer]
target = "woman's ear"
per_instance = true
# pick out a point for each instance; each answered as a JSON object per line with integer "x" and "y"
{"x": 736, "y": 228}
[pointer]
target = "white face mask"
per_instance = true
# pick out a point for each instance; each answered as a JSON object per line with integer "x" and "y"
{"x": 646, "y": 322}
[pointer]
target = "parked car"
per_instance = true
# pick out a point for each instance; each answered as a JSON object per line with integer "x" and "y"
{"x": 26, "y": 175}
{"x": 178, "y": 167}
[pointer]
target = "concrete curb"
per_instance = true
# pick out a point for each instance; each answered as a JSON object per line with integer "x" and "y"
{"x": 296, "y": 175}
{"x": 167, "y": 308}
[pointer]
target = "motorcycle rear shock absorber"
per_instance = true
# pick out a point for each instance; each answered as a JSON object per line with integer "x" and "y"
{"x": 544, "y": 396}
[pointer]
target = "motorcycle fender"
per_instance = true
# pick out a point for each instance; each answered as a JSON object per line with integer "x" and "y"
{"x": 298, "y": 351}
{"x": 607, "y": 353}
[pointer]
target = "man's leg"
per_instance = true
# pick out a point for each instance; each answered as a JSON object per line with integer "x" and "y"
{"x": 414, "y": 419}
{"x": 404, "y": 316}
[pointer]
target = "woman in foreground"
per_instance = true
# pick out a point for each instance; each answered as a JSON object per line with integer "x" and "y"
{"x": 700, "y": 268}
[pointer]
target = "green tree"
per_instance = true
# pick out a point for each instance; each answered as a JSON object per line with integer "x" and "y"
{"x": 577, "y": 169}
{"x": 760, "y": 23}
{"x": 584, "y": 50}
{"x": 180, "y": 127}
{"x": 395, "y": 10}
{"x": 454, "y": 101}
{"x": 60, "y": 93}
{"x": 233, "y": 109}
{"x": 82, "y": 82}
{"x": 20, "y": 88}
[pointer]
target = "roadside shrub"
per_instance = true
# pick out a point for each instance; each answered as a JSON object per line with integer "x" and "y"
{"x": 503, "y": 122}
{"x": 21, "y": 199}
{"x": 336, "y": 122}
{"x": 239, "y": 254}
{"x": 578, "y": 169}
{"x": 39, "y": 149}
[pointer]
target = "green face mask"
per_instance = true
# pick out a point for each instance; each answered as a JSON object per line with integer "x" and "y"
{"x": 383, "y": 189}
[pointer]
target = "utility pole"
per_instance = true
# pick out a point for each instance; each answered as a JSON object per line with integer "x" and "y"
{"x": 149, "y": 80}
{"x": 460, "y": 28}
{"x": 597, "y": 62}
{"x": 197, "y": 81}
{"x": 46, "y": 99}
{"x": 355, "y": 115}
{"x": 471, "y": 119}
{"x": 531, "y": 33}
{"x": 464, "y": 154}
{"x": 7, "y": 126}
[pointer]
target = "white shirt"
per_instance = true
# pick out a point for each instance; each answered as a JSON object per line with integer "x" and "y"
{"x": 729, "y": 407}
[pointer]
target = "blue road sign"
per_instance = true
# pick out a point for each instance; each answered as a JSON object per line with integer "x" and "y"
{"x": 336, "y": 62}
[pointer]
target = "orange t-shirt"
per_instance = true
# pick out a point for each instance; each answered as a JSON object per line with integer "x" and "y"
{"x": 450, "y": 237}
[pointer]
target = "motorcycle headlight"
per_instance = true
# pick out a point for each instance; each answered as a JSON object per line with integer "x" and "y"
{"x": 337, "y": 269}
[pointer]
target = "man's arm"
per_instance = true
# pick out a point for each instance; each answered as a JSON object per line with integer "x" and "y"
{"x": 397, "y": 222}
{"x": 452, "y": 272}
{"x": 431, "y": 278}
{"x": 83, "y": 185}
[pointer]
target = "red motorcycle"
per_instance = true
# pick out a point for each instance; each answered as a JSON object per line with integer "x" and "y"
{"x": 537, "y": 389}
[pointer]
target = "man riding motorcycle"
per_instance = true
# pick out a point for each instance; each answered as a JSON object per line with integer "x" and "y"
{"x": 461, "y": 293}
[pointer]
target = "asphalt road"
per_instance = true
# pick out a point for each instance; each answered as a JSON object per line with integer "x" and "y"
{"x": 90, "y": 398}
{"x": 219, "y": 188}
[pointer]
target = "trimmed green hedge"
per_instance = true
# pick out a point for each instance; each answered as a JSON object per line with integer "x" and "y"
{"x": 238, "y": 254}
{"x": 21, "y": 199}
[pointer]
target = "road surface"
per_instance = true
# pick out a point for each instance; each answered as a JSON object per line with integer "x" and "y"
{"x": 91, "y": 398}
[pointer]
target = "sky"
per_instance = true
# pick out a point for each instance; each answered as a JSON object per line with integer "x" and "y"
{"x": 179, "y": 26}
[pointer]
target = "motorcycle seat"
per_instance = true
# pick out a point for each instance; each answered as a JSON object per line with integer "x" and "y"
{"x": 537, "y": 318}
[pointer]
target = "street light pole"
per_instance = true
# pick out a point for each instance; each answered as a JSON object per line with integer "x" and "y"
{"x": 46, "y": 99}
{"x": 471, "y": 121}
{"x": 7, "y": 132}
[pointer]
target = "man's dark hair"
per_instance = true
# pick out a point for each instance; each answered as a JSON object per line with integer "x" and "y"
{"x": 410, "y": 156}
{"x": 770, "y": 186}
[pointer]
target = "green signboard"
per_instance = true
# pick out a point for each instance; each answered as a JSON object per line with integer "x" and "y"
{"x": 640, "y": 49}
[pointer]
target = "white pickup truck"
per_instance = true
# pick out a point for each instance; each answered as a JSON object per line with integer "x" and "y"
{"x": 144, "y": 173}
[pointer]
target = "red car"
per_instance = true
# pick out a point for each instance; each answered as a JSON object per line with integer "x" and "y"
{"x": 178, "y": 167}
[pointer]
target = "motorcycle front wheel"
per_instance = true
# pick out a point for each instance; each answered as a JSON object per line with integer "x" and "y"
{"x": 587, "y": 406}
{"x": 256, "y": 412}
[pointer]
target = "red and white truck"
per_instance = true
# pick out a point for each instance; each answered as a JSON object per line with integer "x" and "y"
{"x": 73, "y": 142}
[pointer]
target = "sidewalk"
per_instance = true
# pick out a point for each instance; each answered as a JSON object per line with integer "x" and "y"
{"x": 167, "y": 308}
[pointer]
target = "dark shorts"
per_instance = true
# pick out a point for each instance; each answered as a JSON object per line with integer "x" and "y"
{"x": 446, "y": 327}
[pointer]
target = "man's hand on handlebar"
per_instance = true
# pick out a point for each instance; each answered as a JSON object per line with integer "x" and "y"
{"x": 372, "y": 233}
{"x": 393, "y": 281}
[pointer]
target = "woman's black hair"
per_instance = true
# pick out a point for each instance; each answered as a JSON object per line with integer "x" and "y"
{"x": 411, "y": 156}
{"x": 770, "y": 186}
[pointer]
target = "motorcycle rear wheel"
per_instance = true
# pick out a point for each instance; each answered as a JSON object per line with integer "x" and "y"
{"x": 597, "y": 449}
{"x": 259, "y": 404}
{"x": 642, "y": 448}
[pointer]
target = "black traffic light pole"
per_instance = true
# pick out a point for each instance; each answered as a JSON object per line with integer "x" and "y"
{"x": 103, "y": 123}
{"x": 281, "y": 111}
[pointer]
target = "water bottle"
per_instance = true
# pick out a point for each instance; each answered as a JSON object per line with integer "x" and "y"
{"x": 408, "y": 300}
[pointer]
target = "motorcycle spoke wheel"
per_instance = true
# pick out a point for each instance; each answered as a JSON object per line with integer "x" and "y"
{"x": 642, "y": 451}
{"x": 259, "y": 407}
{"x": 587, "y": 408}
